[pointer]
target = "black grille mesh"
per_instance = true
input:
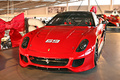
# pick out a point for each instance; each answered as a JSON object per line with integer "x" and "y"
{"x": 49, "y": 61}
{"x": 51, "y": 69}
{"x": 77, "y": 62}
{"x": 24, "y": 58}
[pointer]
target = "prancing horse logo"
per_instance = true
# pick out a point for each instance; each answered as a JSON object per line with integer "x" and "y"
{"x": 48, "y": 49}
{"x": 47, "y": 61}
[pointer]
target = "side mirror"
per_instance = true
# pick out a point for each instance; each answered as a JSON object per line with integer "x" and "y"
{"x": 103, "y": 22}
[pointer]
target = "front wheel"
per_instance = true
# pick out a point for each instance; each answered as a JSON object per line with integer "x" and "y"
{"x": 104, "y": 35}
{"x": 96, "y": 54}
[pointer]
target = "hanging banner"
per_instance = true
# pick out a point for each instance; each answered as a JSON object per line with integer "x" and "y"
{"x": 10, "y": 32}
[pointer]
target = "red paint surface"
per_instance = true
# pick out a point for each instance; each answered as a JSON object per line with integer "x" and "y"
{"x": 70, "y": 37}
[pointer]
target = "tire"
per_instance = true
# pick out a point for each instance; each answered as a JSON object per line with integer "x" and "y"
{"x": 96, "y": 54}
{"x": 104, "y": 36}
{"x": 106, "y": 27}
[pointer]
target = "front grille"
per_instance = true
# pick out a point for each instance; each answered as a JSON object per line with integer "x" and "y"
{"x": 48, "y": 61}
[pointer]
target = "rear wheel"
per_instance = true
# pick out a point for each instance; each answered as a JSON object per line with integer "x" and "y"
{"x": 96, "y": 54}
{"x": 106, "y": 27}
{"x": 104, "y": 35}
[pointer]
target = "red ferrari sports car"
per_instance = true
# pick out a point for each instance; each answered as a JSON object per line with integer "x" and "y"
{"x": 71, "y": 40}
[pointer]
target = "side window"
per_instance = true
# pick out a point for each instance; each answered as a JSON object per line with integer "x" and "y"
{"x": 96, "y": 20}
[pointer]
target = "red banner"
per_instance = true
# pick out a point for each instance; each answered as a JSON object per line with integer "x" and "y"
{"x": 16, "y": 25}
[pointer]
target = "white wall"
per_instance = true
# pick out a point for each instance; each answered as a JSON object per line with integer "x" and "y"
{"x": 43, "y": 12}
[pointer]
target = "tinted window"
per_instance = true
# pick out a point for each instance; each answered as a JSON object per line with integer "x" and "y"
{"x": 73, "y": 19}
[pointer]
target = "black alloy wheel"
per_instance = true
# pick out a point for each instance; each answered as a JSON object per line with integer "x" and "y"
{"x": 104, "y": 35}
{"x": 96, "y": 54}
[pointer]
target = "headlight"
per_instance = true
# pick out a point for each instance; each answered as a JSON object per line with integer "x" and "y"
{"x": 82, "y": 45}
{"x": 25, "y": 42}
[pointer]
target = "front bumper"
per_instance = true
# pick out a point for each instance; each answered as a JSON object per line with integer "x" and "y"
{"x": 75, "y": 64}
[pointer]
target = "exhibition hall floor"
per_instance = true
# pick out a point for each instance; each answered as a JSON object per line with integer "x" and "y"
{"x": 108, "y": 67}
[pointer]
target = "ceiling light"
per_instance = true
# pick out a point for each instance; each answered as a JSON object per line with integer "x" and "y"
{"x": 25, "y": 8}
{"x": 58, "y": 1}
{"x": 49, "y": 0}
{"x": 16, "y": 0}
{"x": 40, "y": 5}
{"x": 2, "y": 9}
{"x": 55, "y": 3}
{"x": 74, "y": 0}
{"x": 37, "y": 6}
{"x": 35, "y": 0}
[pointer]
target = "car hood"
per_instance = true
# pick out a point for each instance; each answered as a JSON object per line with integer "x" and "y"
{"x": 68, "y": 37}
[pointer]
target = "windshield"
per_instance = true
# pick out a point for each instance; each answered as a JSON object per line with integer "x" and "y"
{"x": 72, "y": 19}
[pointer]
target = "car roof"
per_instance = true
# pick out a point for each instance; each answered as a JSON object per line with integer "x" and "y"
{"x": 76, "y": 12}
